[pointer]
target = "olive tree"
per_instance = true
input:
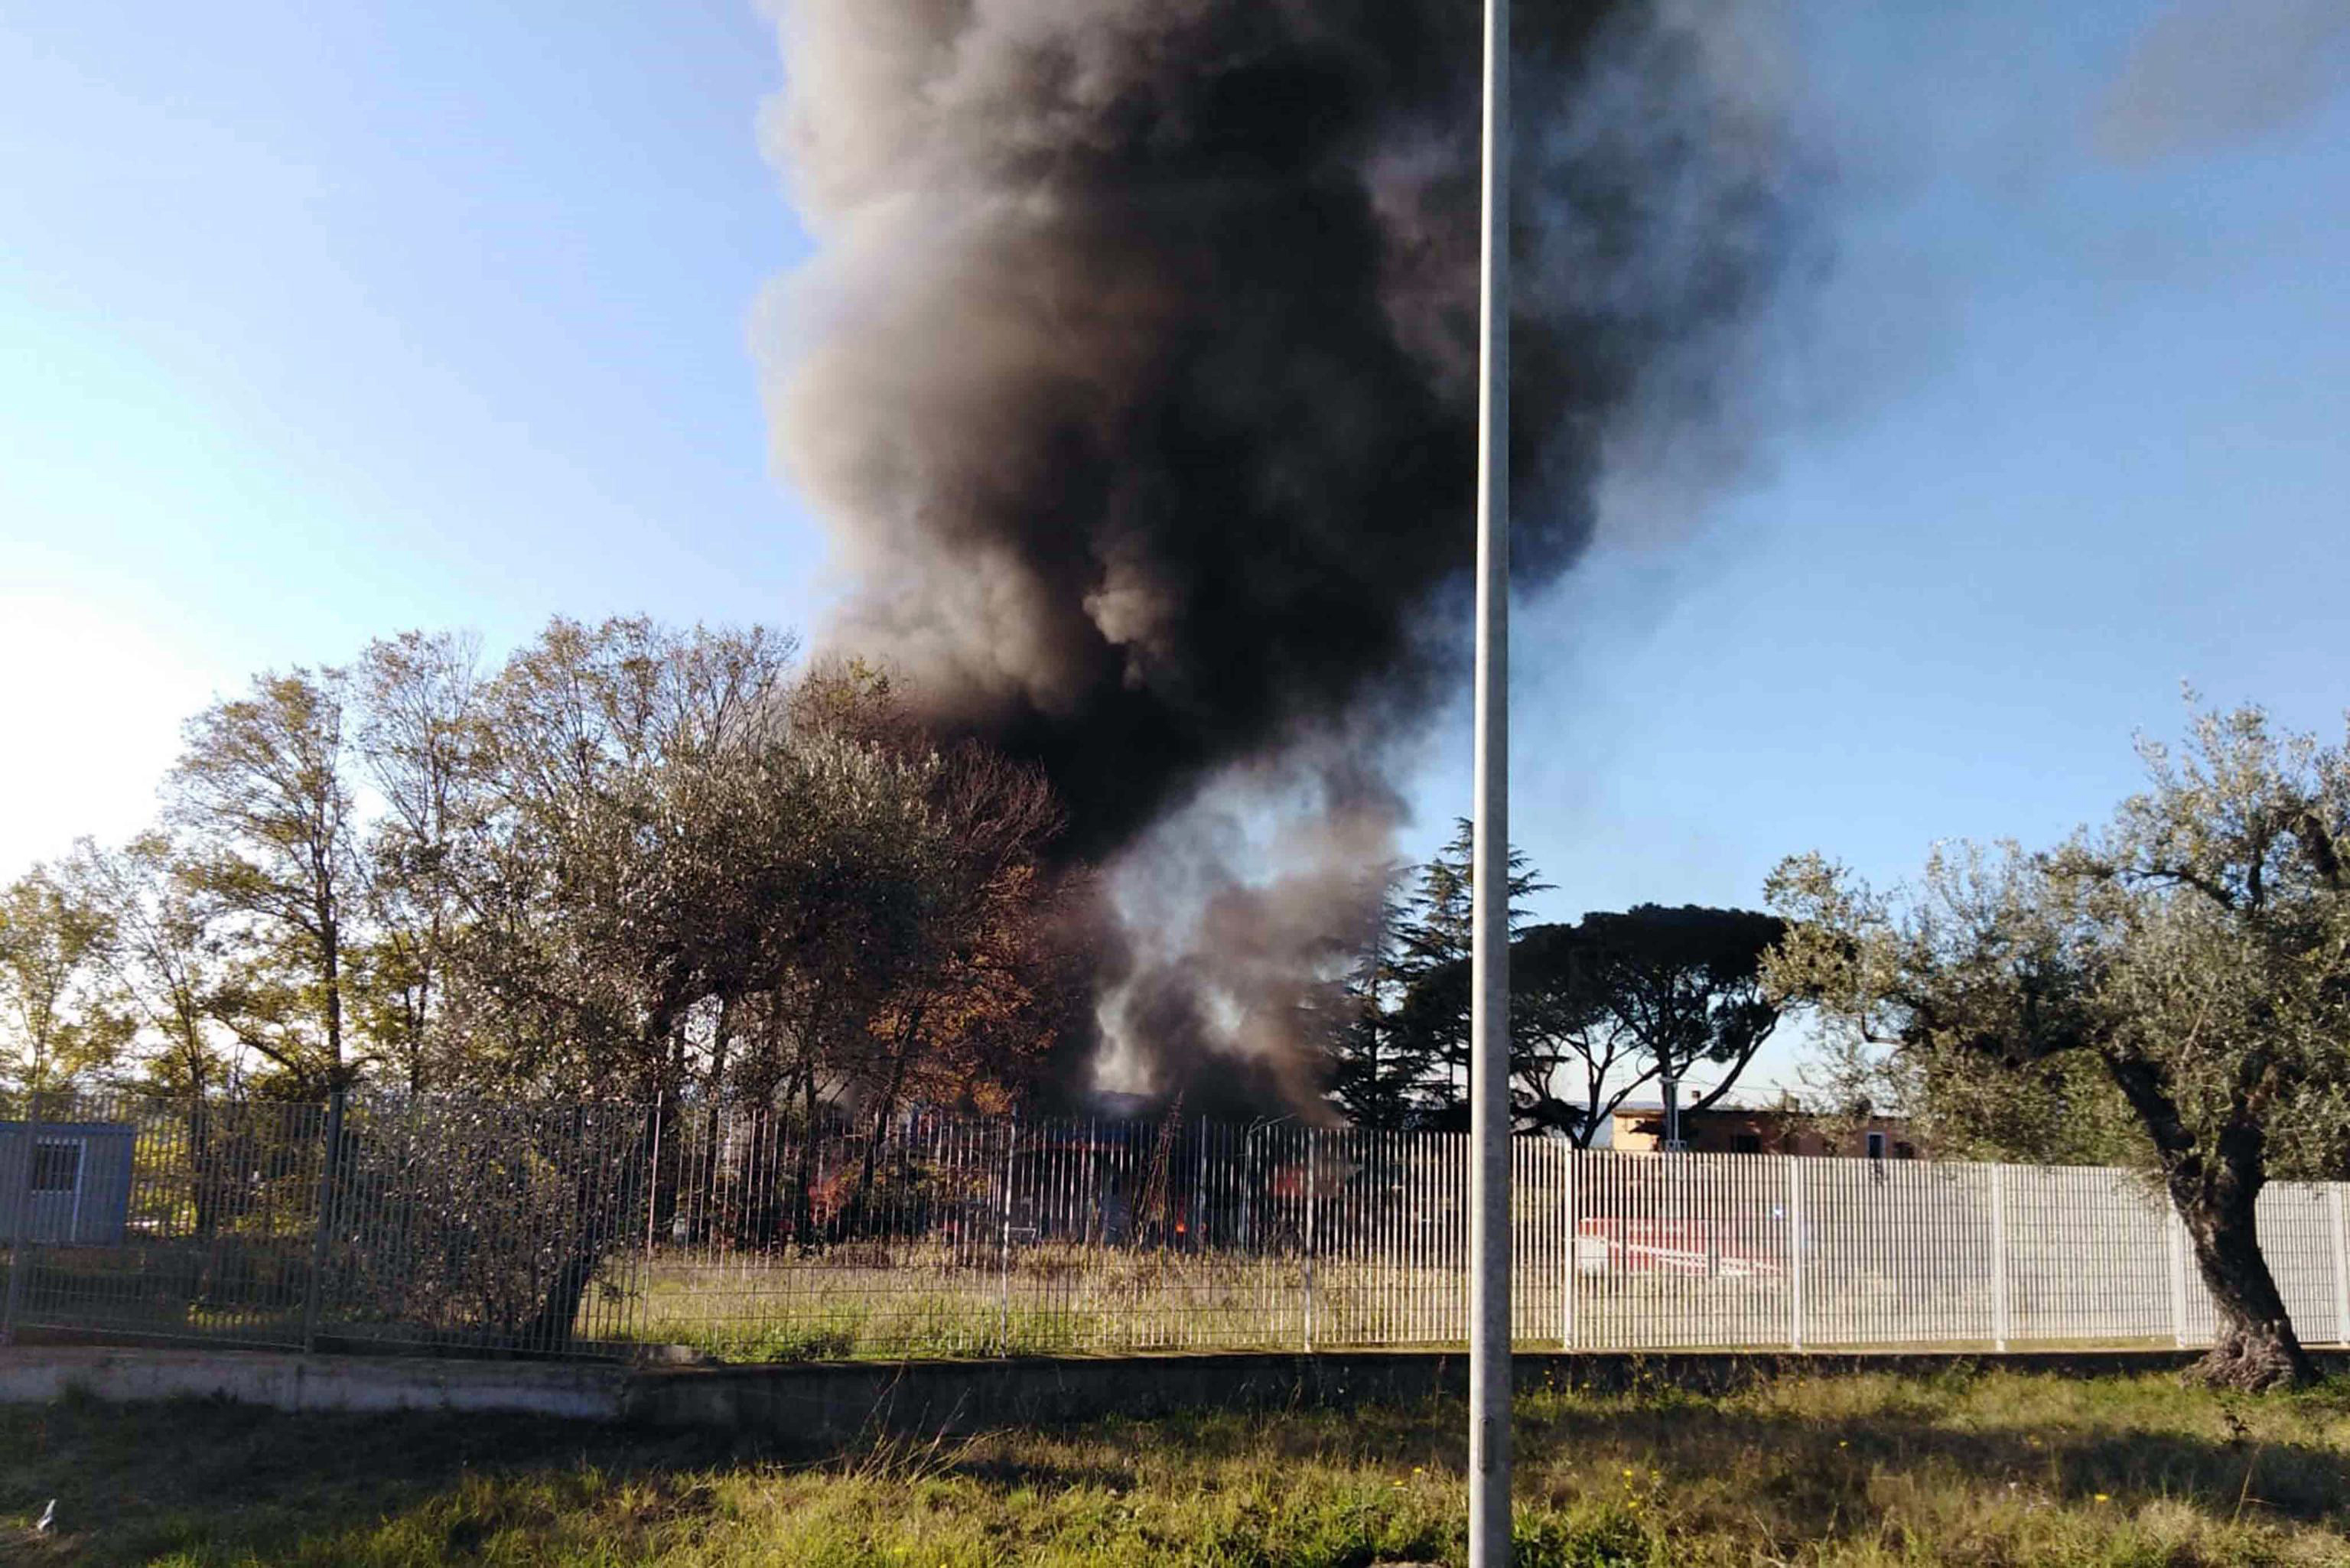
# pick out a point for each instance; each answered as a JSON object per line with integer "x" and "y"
{"x": 2196, "y": 950}
{"x": 602, "y": 762}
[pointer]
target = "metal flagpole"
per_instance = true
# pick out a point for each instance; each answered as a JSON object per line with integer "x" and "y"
{"x": 1489, "y": 1028}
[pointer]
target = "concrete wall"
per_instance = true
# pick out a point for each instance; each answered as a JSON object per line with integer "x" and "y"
{"x": 829, "y": 1406}
{"x": 39, "y": 1374}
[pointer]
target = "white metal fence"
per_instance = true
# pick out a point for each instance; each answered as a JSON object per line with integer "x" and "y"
{"x": 593, "y": 1228}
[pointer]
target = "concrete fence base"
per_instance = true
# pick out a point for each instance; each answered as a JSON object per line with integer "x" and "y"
{"x": 580, "y": 1391}
{"x": 830, "y": 1405}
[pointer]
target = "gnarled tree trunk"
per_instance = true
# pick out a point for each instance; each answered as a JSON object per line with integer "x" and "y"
{"x": 2215, "y": 1183}
{"x": 2257, "y": 1348}
{"x": 606, "y": 1185}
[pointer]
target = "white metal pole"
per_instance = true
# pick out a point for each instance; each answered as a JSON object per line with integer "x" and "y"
{"x": 2177, "y": 1230}
{"x": 2341, "y": 1265}
{"x": 1004, "y": 1285}
{"x": 1574, "y": 1157}
{"x": 1998, "y": 1310}
{"x": 1488, "y": 1029}
{"x": 1311, "y": 1194}
{"x": 1794, "y": 1253}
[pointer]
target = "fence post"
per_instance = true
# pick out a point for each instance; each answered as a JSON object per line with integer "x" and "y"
{"x": 20, "y": 1227}
{"x": 323, "y": 1226}
{"x": 1310, "y": 1194}
{"x": 2341, "y": 1265}
{"x": 1796, "y": 1252}
{"x": 1573, "y": 1157}
{"x": 1197, "y": 1232}
{"x": 1999, "y": 1305}
{"x": 644, "y": 1293}
{"x": 1004, "y": 1265}
{"x": 1246, "y": 1189}
{"x": 2177, "y": 1232}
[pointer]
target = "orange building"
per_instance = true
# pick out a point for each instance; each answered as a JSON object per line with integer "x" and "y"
{"x": 1732, "y": 1129}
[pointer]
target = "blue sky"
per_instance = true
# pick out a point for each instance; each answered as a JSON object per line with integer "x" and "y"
{"x": 321, "y": 321}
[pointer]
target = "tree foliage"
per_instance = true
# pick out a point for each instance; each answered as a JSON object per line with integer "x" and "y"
{"x": 627, "y": 860}
{"x": 1401, "y": 1053}
{"x": 53, "y": 948}
{"x": 1617, "y": 1002}
{"x": 165, "y": 965}
{"x": 264, "y": 798}
{"x": 1598, "y": 1007}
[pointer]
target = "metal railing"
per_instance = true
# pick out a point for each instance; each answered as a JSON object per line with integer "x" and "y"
{"x": 513, "y": 1226}
{"x": 425, "y": 1224}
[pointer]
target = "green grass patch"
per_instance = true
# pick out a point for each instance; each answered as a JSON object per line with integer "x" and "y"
{"x": 1994, "y": 1469}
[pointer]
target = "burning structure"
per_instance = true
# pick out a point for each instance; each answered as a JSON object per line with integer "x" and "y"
{"x": 1134, "y": 378}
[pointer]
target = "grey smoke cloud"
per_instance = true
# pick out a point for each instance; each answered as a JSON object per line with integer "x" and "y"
{"x": 1133, "y": 377}
{"x": 1223, "y": 967}
{"x": 2208, "y": 72}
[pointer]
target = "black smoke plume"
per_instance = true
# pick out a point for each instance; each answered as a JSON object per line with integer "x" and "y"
{"x": 1135, "y": 375}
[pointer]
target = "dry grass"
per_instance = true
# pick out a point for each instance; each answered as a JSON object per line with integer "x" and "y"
{"x": 1987, "y": 1471}
{"x": 914, "y": 1299}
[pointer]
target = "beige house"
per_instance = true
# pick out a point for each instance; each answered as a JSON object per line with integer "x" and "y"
{"x": 1727, "y": 1130}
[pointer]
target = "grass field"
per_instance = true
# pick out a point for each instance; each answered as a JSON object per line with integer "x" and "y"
{"x": 1998, "y": 1468}
{"x": 910, "y": 1299}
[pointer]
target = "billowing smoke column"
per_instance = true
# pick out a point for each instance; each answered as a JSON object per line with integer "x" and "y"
{"x": 1134, "y": 378}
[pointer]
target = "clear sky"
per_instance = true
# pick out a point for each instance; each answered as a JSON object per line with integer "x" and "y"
{"x": 319, "y": 321}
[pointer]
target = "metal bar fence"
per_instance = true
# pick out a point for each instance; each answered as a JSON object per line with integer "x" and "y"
{"x": 735, "y": 1231}
{"x": 451, "y": 1224}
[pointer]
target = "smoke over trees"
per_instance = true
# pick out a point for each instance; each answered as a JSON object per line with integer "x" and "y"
{"x": 1134, "y": 378}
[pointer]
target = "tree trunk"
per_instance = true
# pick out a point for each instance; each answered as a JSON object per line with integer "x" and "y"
{"x": 804, "y": 1236}
{"x": 330, "y": 972}
{"x": 603, "y": 1209}
{"x": 705, "y": 1195}
{"x": 885, "y": 1104}
{"x": 706, "y": 1222}
{"x": 760, "y": 1211}
{"x": 2215, "y": 1181}
{"x": 199, "y": 1133}
{"x": 552, "y": 1328}
{"x": 2257, "y": 1348}
{"x": 556, "y": 1324}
